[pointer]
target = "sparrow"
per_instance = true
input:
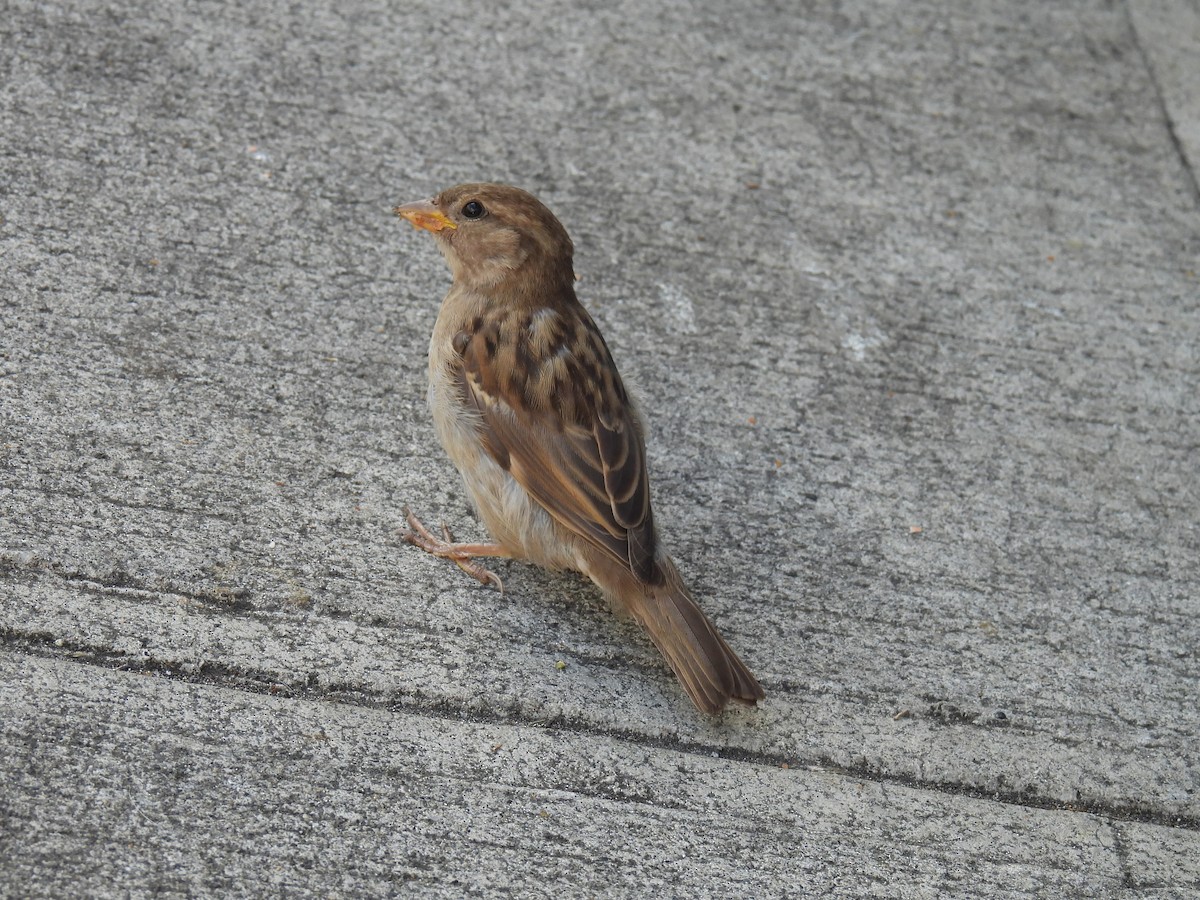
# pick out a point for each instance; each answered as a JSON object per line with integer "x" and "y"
{"x": 529, "y": 406}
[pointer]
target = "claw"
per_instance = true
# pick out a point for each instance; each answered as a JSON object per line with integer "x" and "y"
{"x": 461, "y": 554}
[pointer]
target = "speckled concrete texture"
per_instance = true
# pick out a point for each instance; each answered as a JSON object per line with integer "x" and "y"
{"x": 909, "y": 294}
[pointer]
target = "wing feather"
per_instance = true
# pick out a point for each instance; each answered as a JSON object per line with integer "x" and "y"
{"x": 579, "y": 452}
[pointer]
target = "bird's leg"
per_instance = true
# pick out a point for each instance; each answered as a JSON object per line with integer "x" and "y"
{"x": 420, "y": 536}
{"x": 472, "y": 568}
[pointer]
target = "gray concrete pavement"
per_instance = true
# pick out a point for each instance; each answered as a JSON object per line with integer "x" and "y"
{"x": 910, "y": 297}
{"x": 342, "y": 799}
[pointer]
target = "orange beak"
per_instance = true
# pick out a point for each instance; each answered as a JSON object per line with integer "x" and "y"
{"x": 423, "y": 214}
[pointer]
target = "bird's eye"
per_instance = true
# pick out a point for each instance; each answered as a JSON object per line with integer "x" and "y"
{"x": 473, "y": 209}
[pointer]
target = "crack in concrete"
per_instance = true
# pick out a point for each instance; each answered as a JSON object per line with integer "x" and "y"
{"x": 250, "y": 681}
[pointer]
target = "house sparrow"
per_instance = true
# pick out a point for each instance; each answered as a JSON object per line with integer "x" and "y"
{"x": 527, "y": 401}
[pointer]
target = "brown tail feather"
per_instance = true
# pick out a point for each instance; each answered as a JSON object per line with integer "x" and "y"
{"x": 708, "y": 669}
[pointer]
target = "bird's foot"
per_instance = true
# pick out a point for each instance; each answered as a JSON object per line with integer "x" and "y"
{"x": 447, "y": 548}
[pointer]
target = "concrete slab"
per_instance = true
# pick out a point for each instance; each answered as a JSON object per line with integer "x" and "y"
{"x": 330, "y": 799}
{"x": 909, "y": 294}
{"x": 1168, "y": 35}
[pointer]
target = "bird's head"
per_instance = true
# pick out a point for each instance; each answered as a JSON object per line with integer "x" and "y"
{"x": 491, "y": 233}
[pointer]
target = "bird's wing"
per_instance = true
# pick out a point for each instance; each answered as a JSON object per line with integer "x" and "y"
{"x": 556, "y": 416}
